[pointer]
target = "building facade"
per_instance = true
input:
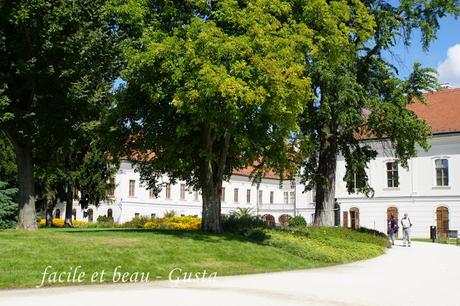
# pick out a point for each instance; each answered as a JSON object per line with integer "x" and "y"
{"x": 428, "y": 190}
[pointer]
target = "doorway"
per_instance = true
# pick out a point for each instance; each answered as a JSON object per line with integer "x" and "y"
{"x": 354, "y": 218}
{"x": 393, "y": 211}
{"x": 442, "y": 221}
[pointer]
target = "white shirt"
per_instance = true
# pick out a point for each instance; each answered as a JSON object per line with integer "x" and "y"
{"x": 406, "y": 223}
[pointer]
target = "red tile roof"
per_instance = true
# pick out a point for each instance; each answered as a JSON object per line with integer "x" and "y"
{"x": 248, "y": 171}
{"x": 442, "y": 110}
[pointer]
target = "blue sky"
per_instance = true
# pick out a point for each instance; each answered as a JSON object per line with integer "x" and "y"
{"x": 437, "y": 56}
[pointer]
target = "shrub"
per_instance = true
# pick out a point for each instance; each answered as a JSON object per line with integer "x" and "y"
{"x": 8, "y": 208}
{"x": 372, "y": 232}
{"x": 104, "y": 219}
{"x": 175, "y": 223}
{"x": 136, "y": 222}
{"x": 297, "y": 221}
{"x": 169, "y": 214}
{"x": 240, "y": 225}
{"x": 256, "y": 234}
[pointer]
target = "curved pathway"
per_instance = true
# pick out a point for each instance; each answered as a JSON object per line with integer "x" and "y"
{"x": 425, "y": 274}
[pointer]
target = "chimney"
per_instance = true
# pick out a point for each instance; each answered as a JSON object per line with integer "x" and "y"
{"x": 445, "y": 85}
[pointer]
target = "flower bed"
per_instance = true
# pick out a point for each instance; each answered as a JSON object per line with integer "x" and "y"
{"x": 178, "y": 223}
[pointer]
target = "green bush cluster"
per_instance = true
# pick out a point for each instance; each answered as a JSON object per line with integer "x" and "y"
{"x": 297, "y": 221}
{"x": 372, "y": 232}
{"x": 242, "y": 222}
{"x": 8, "y": 208}
{"x": 136, "y": 222}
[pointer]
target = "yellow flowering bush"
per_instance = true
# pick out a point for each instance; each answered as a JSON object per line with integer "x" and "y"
{"x": 60, "y": 222}
{"x": 176, "y": 223}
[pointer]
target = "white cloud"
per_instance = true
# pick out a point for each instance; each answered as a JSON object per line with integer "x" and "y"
{"x": 449, "y": 69}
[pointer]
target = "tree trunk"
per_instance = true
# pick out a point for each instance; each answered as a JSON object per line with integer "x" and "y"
{"x": 211, "y": 215}
{"x": 325, "y": 191}
{"x": 49, "y": 212}
{"x": 211, "y": 177}
{"x": 26, "y": 192}
{"x": 68, "y": 207}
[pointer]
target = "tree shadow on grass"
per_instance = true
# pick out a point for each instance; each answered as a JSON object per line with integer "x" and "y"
{"x": 195, "y": 235}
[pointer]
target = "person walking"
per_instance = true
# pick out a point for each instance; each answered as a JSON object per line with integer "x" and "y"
{"x": 406, "y": 225}
{"x": 392, "y": 229}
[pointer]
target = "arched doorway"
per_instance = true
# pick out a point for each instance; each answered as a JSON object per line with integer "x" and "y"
{"x": 442, "y": 221}
{"x": 58, "y": 214}
{"x": 110, "y": 213}
{"x": 268, "y": 219}
{"x": 283, "y": 219}
{"x": 90, "y": 215}
{"x": 393, "y": 211}
{"x": 345, "y": 219}
{"x": 354, "y": 217}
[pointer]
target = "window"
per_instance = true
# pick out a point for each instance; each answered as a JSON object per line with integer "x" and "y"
{"x": 292, "y": 194}
{"x": 272, "y": 195}
{"x": 286, "y": 197}
{"x": 132, "y": 188}
{"x": 152, "y": 194}
{"x": 111, "y": 188}
{"x": 313, "y": 195}
{"x": 196, "y": 195}
{"x": 222, "y": 196}
{"x": 392, "y": 175}
{"x": 74, "y": 214}
{"x": 442, "y": 172}
{"x": 136, "y": 215}
{"x": 260, "y": 196}
{"x": 90, "y": 215}
{"x": 168, "y": 191}
{"x": 152, "y": 216}
{"x": 182, "y": 191}
{"x": 235, "y": 195}
{"x": 109, "y": 213}
{"x": 58, "y": 214}
{"x": 248, "y": 196}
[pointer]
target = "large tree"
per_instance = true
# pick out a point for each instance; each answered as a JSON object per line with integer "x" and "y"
{"x": 212, "y": 86}
{"x": 57, "y": 62}
{"x": 362, "y": 96}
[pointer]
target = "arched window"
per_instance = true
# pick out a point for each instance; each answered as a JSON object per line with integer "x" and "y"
{"x": 283, "y": 219}
{"x": 109, "y": 213}
{"x": 58, "y": 214}
{"x": 269, "y": 220}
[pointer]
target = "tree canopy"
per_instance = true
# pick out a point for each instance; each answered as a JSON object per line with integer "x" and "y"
{"x": 362, "y": 96}
{"x": 58, "y": 60}
{"x": 212, "y": 87}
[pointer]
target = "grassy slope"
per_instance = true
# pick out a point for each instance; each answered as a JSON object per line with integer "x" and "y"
{"x": 24, "y": 255}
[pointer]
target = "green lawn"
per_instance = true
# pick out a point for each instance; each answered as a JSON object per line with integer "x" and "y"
{"x": 25, "y": 255}
{"x": 438, "y": 240}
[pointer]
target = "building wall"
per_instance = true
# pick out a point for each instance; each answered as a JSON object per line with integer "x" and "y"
{"x": 417, "y": 193}
{"x": 125, "y": 207}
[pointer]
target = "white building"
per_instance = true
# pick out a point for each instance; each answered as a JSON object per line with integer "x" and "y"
{"x": 429, "y": 191}
{"x": 131, "y": 198}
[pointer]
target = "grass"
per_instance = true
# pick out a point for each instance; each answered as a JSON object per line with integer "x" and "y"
{"x": 439, "y": 240}
{"x": 24, "y": 255}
